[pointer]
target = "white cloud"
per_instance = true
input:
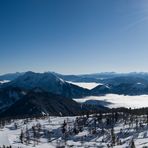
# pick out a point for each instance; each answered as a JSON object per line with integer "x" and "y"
{"x": 115, "y": 100}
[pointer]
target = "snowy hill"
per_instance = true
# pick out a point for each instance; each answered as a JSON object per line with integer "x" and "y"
{"x": 48, "y": 82}
{"x": 99, "y": 130}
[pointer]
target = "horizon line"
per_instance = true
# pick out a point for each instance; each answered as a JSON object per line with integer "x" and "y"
{"x": 92, "y": 73}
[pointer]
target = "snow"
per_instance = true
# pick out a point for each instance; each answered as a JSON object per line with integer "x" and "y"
{"x": 61, "y": 80}
{"x": 139, "y": 83}
{"x": 115, "y": 101}
{"x": 10, "y": 135}
{"x": 4, "y": 138}
{"x": 4, "y": 81}
{"x": 85, "y": 85}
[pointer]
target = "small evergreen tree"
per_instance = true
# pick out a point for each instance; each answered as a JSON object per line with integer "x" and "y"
{"x": 132, "y": 144}
{"x": 21, "y": 136}
{"x": 113, "y": 136}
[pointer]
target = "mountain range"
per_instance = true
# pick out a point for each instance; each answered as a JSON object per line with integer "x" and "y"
{"x": 48, "y": 82}
{"x": 19, "y": 95}
{"x": 126, "y": 83}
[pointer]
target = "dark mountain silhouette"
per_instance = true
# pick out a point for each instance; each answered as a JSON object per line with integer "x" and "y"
{"x": 38, "y": 102}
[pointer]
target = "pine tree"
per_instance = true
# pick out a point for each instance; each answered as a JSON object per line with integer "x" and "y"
{"x": 21, "y": 136}
{"x": 49, "y": 136}
{"x": 15, "y": 125}
{"x": 132, "y": 145}
{"x": 113, "y": 136}
{"x": 34, "y": 134}
{"x": 64, "y": 127}
{"x": 27, "y": 136}
{"x": 147, "y": 118}
{"x": 38, "y": 132}
{"x": 116, "y": 116}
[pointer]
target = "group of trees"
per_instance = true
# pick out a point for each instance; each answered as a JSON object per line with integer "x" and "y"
{"x": 32, "y": 134}
{"x": 103, "y": 124}
{"x": 98, "y": 124}
{"x": 6, "y": 146}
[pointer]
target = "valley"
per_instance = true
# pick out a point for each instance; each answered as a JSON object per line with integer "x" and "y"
{"x": 54, "y": 110}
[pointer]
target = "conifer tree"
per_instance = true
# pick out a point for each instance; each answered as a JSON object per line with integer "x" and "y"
{"x": 113, "y": 136}
{"x": 132, "y": 145}
{"x": 21, "y": 136}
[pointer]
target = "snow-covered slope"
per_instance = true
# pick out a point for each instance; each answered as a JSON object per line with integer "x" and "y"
{"x": 85, "y": 138}
{"x": 4, "y": 138}
{"x": 4, "y": 81}
{"x": 89, "y": 86}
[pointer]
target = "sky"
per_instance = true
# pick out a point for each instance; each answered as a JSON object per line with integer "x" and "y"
{"x": 73, "y": 36}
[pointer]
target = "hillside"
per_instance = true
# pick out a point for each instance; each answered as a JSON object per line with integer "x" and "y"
{"x": 38, "y": 102}
{"x": 48, "y": 82}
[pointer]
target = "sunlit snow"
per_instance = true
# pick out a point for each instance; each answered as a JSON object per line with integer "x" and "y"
{"x": 10, "y": 135}
{"x": 85, "y": 85}
{"x": 4, "y": 81}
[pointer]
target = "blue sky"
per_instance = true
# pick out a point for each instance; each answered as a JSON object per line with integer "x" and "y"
{"x": 73, "y": 36}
